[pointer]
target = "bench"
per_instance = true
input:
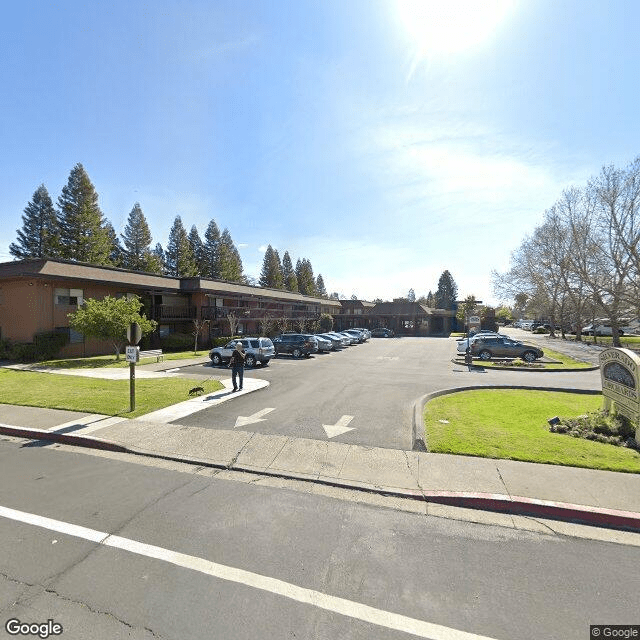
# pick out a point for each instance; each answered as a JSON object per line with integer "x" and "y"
{"x": 152, "y": 353}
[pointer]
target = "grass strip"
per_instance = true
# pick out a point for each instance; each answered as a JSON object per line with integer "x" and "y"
{"x": 512, "y": 424}
{"x": 98, "y": 362}
{"x": 94, "y": 395}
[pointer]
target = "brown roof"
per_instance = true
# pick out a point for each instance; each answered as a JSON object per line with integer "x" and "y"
{"x": 112, "y": 275}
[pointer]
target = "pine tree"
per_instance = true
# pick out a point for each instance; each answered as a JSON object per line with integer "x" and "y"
{"x": 445, "y": 296}
{"x": 38, "y": 237}
{"x": 306, "y": 281}
{"x": 197, "y": 248}
{"x": 210, "y": 267}
{"x": 179, "y": 258}
{"x": 136, "y": 253}
{"x": 83, "y": 236}
{"x": 229, "y": 261}
{"x": 289, "y": 277}
{"x": 271, "y": 274}
{"x": 160, "y": 257}
{"x": 116, "y": 253}
{"x": 321, "y": 290}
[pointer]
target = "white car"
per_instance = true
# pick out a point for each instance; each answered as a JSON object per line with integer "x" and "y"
{"x": 600, "y": 330}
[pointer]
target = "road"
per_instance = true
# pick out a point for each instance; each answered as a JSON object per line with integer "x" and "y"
{"x": 374, "y": 384}
{"x": 196, "y": 555}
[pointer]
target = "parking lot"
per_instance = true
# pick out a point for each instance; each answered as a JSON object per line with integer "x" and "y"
{"x": 363, "y": 394}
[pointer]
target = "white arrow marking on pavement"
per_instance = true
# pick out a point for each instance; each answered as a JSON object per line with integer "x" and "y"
{"x": 242, "y": 421}
{"x": 339, "y": 427}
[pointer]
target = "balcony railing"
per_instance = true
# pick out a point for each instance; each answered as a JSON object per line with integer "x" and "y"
{"x": 169, "y": 312}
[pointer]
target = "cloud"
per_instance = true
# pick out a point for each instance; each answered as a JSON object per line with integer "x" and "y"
{"x": 262, "y": 248}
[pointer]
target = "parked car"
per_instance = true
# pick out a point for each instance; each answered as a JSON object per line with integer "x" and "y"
{"x": 257, "y": 350}
{"x": 486, "y": 348}
{"x": 381, "y": 332}
{"x": 324, "y": 344}
{"x": 296, "y": 344}
{"x": 600, "y": 330}
{"x": 345, "y": 340}
{"x": 462, "y": 342}
{"x": 357, "y": 333}
{"x": 352, "y": 339}
{"x": 367, "y": 333}
{"x": 336, "y": 342}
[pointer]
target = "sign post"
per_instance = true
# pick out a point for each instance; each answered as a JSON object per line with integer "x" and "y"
{"x": 134, "y": 334}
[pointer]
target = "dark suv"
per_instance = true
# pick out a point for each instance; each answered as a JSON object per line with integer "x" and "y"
{"x": 492, "y": 346}
{"x": 296, "y": 344}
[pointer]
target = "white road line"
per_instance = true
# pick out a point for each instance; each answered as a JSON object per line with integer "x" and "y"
{"x": 344, "y": 607}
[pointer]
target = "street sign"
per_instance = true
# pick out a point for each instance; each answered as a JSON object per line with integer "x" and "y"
{"x": 134, "y": 333}
{"x": 132, "y": 354}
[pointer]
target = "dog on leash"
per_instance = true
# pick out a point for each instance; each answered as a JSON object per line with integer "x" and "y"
{"x": 196, "y": 391}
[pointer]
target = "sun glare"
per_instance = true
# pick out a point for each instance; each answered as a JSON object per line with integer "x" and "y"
{"x": 447, "y": 26}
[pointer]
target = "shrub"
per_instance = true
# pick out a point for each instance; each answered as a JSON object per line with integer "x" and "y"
{"x": 541, "y": 330}
{"x": 599, "y": 426}
{"x": 177, "y": 342}
{"x": 47, "y": 344}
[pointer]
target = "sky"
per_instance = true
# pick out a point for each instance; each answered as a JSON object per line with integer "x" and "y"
{"x": 384, "y": 140}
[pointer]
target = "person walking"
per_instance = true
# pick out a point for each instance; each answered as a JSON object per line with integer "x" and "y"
{"x": 236, "y": 363}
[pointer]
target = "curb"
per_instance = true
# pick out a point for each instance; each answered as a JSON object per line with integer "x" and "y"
{"x": 515, "y": 505}
{"x": 527, "y": 370}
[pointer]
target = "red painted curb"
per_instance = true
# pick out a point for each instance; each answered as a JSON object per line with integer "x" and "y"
{"x": 63, "y": 438}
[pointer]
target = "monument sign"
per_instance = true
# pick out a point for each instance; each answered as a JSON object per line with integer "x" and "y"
{"x": 619, "y": 369}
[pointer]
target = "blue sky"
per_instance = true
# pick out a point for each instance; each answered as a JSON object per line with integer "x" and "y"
{"x": 386, "y": 141}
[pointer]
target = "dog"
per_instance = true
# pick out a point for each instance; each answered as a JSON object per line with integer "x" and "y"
{"x": 196, "y": 391}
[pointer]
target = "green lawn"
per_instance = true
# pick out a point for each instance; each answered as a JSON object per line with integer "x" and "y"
{"x": 512, "y": 424}
{"x": 97, "y": 362}
{"x": 94, "y": 395}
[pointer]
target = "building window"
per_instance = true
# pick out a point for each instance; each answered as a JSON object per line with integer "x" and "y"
{"x": 163, "y": 330}
{"x": 74, "y": 336}
{"x": 357, "y": 312}
{"x": 68, "y": 297}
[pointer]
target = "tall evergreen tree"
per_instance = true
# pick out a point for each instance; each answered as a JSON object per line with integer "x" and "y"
{"x": 271, "y": 274}
{"x": 229, "y": 261}
{"x": 288, "y": 274}
{"x": 321, "y": 290}
{"x": 116, "y": 253}
{"x": 136, "y": 253}
{"x": 83, "y": 235}
{"x": 179, "y": 258}
{"x": 159, "y": 255}
{"x": 197, "y": 247}
{"x": 38, "y": 237}
{"x": 445, "y": 296}
{"x": 306, "y": 281}
{"x": 211, "y": 248}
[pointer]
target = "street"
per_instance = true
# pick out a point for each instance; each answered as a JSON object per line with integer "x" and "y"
{"x": 311, "y": 566}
